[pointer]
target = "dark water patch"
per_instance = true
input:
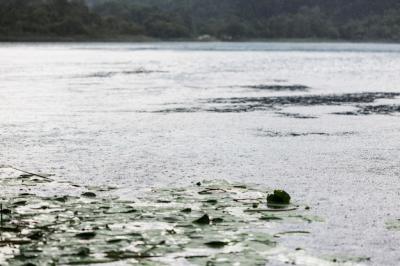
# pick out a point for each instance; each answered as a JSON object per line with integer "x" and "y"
{"x": 373, "y": 110}
{"x": 108, "y": 74}
{"x": 180, "y": 110}
{"x": 278, "y": 87}
{"x": 309, "y": 100}
{"x": 141, "y": 71}
{"x": 251, "y": 104}
{"x": 275, "y": 134}
{"x": 219, "y": 109}
{"x": 296, "y": 115}
{"x": 100, "y": 75}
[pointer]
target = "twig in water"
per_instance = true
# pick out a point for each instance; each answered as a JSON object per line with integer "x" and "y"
{"x": 29, "y": 173}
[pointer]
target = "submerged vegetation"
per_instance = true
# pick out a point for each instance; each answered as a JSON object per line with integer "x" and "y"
{"x": 200, "y": 19}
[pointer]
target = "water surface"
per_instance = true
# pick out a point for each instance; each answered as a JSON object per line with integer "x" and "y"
{"x": 140, "y": 115}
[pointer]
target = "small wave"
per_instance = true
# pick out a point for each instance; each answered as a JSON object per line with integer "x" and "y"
{"x": 251, "y": 104}
{"x": 276, "y": 134}
{"x": 278, "y": 87}
{"x": 108, "y": 74}
{"x": 373, "y": 110}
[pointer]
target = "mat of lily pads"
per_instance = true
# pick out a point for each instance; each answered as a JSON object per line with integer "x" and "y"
{"x": 207, "y": 223}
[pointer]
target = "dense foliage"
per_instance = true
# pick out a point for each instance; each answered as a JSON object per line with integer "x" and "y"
{"x": 221, "y": 19}
{"x": 45, "y": 18}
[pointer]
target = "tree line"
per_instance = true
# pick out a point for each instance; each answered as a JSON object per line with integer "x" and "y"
{"x": 189, "y": 19}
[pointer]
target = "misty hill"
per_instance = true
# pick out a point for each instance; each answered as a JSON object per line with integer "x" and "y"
{"x": 188, "y": 19}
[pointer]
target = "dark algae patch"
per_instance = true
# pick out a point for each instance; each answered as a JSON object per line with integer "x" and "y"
{"x": 215, "y": 223}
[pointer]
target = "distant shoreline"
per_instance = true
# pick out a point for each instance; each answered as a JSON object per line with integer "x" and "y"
{"x": 147, "y": 39}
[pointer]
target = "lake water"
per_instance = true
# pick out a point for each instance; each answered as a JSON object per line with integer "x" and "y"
{"x": 318, "y": 120}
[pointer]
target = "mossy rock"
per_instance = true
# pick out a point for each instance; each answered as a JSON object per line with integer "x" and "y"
{"x": 279, "y": 197}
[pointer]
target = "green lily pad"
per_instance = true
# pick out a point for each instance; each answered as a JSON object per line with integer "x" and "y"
{"x": 86, "y": 235}
{"x": 203, "y": 220}
{"x": 216, "y": 244}
{"x": 214, "y": 222}
{"x": 89, "y": 194}
{"x": 270, "y": 218}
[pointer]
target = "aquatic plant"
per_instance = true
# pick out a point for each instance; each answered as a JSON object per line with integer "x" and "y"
{"x": 201, "y": 224}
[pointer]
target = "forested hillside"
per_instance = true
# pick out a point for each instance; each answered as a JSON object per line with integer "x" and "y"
{"x": 189, "y": 19}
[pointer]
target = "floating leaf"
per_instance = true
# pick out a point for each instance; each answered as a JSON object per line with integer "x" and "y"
{"x": 86, "y": 235}
{"x": 89, "y": 194}
{"x": 35, "y": 235}
{"x": 203, "y": 220}
{"x": 270, "y": 218}
{"x": 217, "y": 220}
{"x": 216, "y": 244}
{"x": 186, "y": 210}
{"x": 5, "y": 211}
{"x": 212, "y": 201}
{"x": 393, "y": 225}
{"x": 292, "y": 233}
{"x": 83, "y": 252}
{"x": 147, "y": 231}
{"x": 20, "y": 203}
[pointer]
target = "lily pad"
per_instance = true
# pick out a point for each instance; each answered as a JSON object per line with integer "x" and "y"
{"x": 85, "y": 235}
{"x": 216, "y": 244}
{"x": 203, "y": 220}
{"x": 211, "y": 223}
{"x": 89, "y": 194}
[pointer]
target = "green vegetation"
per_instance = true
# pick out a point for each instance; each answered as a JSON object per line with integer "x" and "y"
{"x": 189, "y": 19}
{"x": 278, "y": 197}
{"x": 93, "y": 226}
